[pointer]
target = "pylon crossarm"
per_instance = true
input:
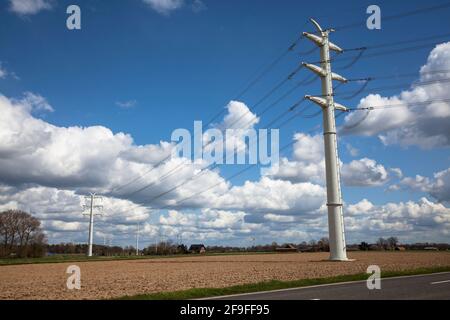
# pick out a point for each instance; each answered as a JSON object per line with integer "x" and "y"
{"x": 335, "y": 47}
{"x": 321, "y": 102}
{"x": 314, "y": 38}
{"x": 338, "y": 77}
{"x": 322, "y": 73}
{"x": 340, "y": 107}
{"x": 316, "y": 69}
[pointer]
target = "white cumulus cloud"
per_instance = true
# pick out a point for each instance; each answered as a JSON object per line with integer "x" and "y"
{"x": 423, "y": 118}
{"x": 30, "y": 7}
{"x": 164, "y": 7}
{"x": 364, "y": 172}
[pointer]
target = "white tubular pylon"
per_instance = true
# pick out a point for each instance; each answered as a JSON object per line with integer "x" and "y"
{"x": 91, "y": 207}
{"x": 338, "y": 250}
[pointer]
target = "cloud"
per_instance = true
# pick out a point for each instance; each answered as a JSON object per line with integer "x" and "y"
{"x": 61, "y": 214}
{"x": 208, "y": 224}
{"x": 33, "y": 151}
{"x": 165, "y": 7}
{"x": 308, "y": 148}
{"x": 35, "y": 102}
{"x": 60, "y": 211}
{"x": 410, "y": 221}
{"x": 198, "y": 6}
{"x": 3, "y": 72}
{"x": 46, "y": 169}
{"x": 397, "y": 172}
{"x": 275, "y": 196}
{"x": 235, "y": 128}
{"x": 238, "y": 116}
{"x": 363, "y": 173}
{"x": 299, "y": 171}
{"x": 352, "y": 150}
{"x": 30, "y": 7}
{"x": 176, "y": 218}
{"x": 126, "y": 104}
{"x": 278, "y": 218}
{"x": 147, "y": 154}
{"x": 418, "y": 123}
{"x": 308, "y": 164}
{"x": 438, "y": 187}
{"x": 360, "y": 208}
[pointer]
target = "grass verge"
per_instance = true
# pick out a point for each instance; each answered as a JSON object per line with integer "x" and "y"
{"x": 273, "y": 285}
{"x": 63, "y": 258}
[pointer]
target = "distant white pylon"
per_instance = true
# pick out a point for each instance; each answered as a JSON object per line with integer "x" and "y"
{"x": 90, "y": 205}
{"x": 137, "y": 239}
{"x": 336, "y": 231}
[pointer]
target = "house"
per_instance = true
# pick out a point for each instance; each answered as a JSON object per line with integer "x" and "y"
{"x": 197, "y": 248}
{"x": 287, "y": 248}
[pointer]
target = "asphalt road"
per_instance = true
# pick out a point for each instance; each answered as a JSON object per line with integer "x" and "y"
{"x": 422, "y": 287}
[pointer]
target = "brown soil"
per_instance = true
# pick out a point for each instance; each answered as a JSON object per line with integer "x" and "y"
{"x": 108, "y": 279}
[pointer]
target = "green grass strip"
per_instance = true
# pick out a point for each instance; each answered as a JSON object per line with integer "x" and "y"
{"x": 81, "y": 258}
{"x": 274, "y": 285}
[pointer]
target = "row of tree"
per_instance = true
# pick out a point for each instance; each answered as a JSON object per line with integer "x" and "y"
{"x": 82, "y": 248}
{"x": 21, "y": 235}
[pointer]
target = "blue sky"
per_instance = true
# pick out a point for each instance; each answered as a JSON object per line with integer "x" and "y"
{"x": 186, "y": 64}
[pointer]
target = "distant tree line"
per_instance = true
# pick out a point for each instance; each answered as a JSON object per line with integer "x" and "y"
{"x": 172, "y": 248}
{"x": 97, "y": 250}
{"x": 392, "y": 243}
{"x": 21, "y": 235}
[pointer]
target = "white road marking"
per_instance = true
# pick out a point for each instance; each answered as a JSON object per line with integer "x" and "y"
{"x": 319, "y": 285}
{"x": 438, "y": 282}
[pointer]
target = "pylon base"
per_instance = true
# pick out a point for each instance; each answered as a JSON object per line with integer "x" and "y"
{"x": 342, "y": 260}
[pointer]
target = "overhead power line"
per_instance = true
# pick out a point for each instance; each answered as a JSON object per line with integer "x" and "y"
{"x": 240, "y": 172}
{"x": 394, "y": 86}
{"x": 391, "y": 87}
{"x": 399, "y": 15}
{"x": 264, "y": 71}
{"x": 179, "y": 166}
{"x": 377, "y": 54}
{"x": 248, "y": 87}
{"x": 398, "y": 105}
{"x": 201, "y": 172}
{"x": 398, "y": 43}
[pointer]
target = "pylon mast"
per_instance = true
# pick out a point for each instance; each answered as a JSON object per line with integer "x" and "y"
{"x": 91, "y": 206}
{"x": 137, "y": 240}
{"x": 338, "y": 250}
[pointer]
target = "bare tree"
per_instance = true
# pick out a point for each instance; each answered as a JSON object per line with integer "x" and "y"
{"x": 324, "y": 244}
{"x": 392, "y": 242}
{"x": 21, "y": 234}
